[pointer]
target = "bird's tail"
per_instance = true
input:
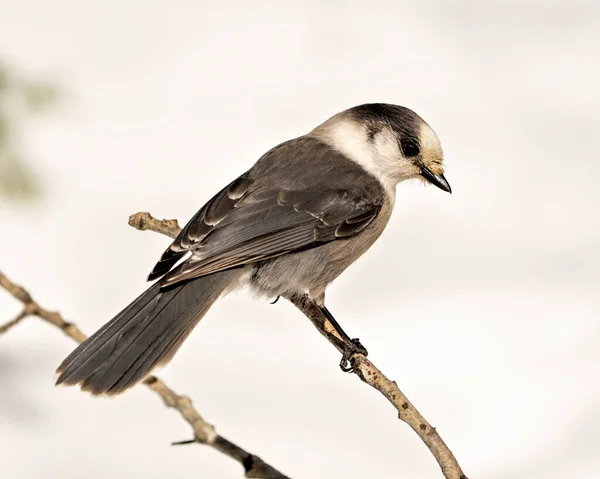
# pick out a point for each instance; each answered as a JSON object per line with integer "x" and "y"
{"x": 145, "y": 334}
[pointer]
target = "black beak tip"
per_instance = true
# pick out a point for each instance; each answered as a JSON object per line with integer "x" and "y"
{"x": 438, "y": 180}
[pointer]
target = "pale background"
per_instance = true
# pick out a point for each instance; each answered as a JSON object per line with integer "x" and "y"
{"x": 483, "y": 305}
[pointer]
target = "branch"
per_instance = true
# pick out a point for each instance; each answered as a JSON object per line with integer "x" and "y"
{"x": 204, "y": 433}
{"x": 145, "y": 221}
{"x": 363, "y": 368}
{"x": 367, "y": 371}
{"x": 20, "y": 317}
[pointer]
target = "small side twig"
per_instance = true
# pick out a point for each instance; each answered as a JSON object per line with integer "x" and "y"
{"x": 363, "y": 368}
{"x": 145, "y": 221}
{"x": 204, "y": 433}
{"x": 12, "y": 323}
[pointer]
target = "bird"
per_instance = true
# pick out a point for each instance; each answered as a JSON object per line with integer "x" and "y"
{"x": 290, "y": 225}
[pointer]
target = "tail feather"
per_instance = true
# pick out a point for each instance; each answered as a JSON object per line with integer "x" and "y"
{"x": 92, "y": 353}
{"x": 145, "y": 334}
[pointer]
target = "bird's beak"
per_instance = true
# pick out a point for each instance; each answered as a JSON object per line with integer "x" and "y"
{"x": 437, "y": 180}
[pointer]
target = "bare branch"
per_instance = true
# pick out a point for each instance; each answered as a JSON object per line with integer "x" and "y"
{"x": 363, "y": 368}
{"x": 22, "y": 315}
{"x": 145, "y": 221}
{"x": 204, "y": 433}
{"x": 367, "y": 371}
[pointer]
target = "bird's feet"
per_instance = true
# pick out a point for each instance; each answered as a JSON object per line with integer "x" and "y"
{"x": 352, "y": 348}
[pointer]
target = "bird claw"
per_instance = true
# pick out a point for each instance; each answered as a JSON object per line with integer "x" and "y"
{"x": 352, "y": 348}
{"x": 275, "y": 300}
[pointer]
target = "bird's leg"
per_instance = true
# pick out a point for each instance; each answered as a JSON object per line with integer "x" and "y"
{"x": 323, "y": 320}
{"x": 351, "y": 345}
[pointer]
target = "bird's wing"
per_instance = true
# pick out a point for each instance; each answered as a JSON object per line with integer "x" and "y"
{"x": 246, "y": 222}
{"x": 202, "y": 223}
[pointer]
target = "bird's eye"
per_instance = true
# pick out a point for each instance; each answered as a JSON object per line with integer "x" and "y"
{"x": 409, "y": 148}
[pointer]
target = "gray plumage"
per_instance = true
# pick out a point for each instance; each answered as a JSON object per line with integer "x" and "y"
{"x": 290, "y": 225}
{"x": 145, "y": 334}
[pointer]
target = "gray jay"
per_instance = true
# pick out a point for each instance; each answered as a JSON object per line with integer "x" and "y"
{"x": 289, "y": 225}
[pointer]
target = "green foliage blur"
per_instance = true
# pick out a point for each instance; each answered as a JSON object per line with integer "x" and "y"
{"x": 20, "y": 99}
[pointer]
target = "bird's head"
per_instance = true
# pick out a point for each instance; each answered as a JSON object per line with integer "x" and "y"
{"x": 391, "y": 142}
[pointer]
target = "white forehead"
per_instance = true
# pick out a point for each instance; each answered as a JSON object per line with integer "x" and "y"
{"x": 430, "y": 143}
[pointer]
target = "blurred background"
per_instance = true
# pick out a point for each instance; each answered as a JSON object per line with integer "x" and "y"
{"x": 489, "y": 324}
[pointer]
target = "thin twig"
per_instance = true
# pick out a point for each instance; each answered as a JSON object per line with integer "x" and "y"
{"x": 11, "y": 324}
{"x": 145, "y": 221}
{"x": 363, "y": 368}
{"x": 204, "y": 433}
